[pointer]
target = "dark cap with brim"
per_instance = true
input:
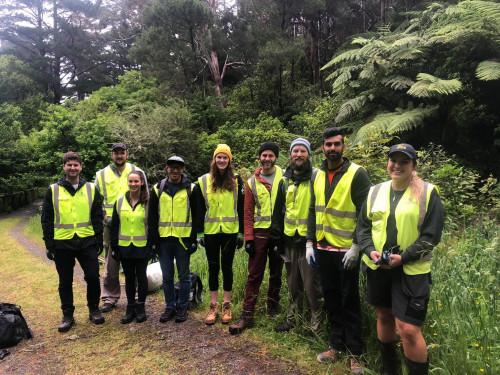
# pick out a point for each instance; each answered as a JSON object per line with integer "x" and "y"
{"x": 404, "y": 148}
{"x": 175, "y": 160}
{"x": 119, "y": 145}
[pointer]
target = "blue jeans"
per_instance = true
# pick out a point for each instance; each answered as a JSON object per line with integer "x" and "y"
{"x": 169, "y": 251}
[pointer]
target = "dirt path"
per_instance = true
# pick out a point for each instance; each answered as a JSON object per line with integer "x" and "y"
{"x": 204, "y": 350}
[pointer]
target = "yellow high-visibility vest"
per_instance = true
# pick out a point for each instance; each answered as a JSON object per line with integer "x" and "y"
{"x": 337, "y": 221}
{"x": 133, "y": 223}
{"x": 297, "y": 203}
{"x": 175, "y": 214}
{"x": 222, "y": 208}
{"x": 72, "y": 213}
{"x": 111, "y": 186}
{"x": 264, "y": 200}
{"x": 410, "y": 216}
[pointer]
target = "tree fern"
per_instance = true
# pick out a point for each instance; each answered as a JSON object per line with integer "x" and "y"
{"x": 397, "y": 82}
{"x": 351, "y": 106}
{"x": 395, "y": 122}
{"x": 429, "y": 86}
{"x": 488, "y": 70}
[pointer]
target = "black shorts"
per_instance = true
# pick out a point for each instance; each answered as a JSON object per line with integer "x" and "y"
{"x": 406, "y": 295}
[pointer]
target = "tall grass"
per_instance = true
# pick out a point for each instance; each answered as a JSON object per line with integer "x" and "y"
{"x": 462, "y": 328}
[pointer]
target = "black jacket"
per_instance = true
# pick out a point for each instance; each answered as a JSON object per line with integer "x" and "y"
{"x": 278, "y": 219}
{"x": 359, "y": 190}
{"x": 76, "y": 243}
{"x": 154, "y": 216}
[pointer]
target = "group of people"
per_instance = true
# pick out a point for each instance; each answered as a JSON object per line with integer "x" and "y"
{"x": 321, "y": 223}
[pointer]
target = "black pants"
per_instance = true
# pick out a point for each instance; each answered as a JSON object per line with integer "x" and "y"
{"x": 65, "y": 263}
{"x": 220, "y": 249}
{"x": 341, "y": 293}
{"x": 135, "y": 269}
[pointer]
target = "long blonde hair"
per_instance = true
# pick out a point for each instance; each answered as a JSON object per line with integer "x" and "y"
{"x": 416, "y": 184}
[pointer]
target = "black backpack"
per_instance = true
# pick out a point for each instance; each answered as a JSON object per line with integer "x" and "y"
{"x": 13, "y": 327}
{"x": 196, "y": 295}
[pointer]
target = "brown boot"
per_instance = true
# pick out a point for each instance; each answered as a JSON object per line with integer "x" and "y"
{"x": 212, "y": 314}
{"x": 246, "y": 321}
{"x": 226, "y": 312}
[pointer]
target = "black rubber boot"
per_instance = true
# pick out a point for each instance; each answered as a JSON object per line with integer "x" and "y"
{"x": 67, "y": 320}
{"x": 129, "y": 314}
{"x": 95, "y": 315}
{"x": 417, "y": 368}
{"x": 181, "y": 314}
{"x": 390, "y": 360}
{"x": 140, "y": 312}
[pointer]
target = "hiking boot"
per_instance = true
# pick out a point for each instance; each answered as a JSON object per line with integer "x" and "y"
{"x": 212, "y": 314}
{"x": 330, "y": 356}
{"x": 182, "y": 314}
{"x": 67, "y": 321}
{"x": 140, "y": 312}
{"x": 246, "y": 321}
{"x": 356, "y": 367}
{"x": 129, "y": 314}
{"x": 95, "y": 315}
{"x": 284, "y": 327}
{"x": 226, "y": 313}
{"x": 167, "y": 315}
{"x": 107, "y": 307}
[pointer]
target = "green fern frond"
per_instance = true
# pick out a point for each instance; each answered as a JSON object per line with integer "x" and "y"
{"x": 429, "y": 86}
{"x": 350, "y": 55}
{"x": 407, "y": 40}
{"x": 343, "y": 78}
{"x": 488, "y": 70}
{"x": 488, "y": 9}
{"x": 342, "y": 70}
{"x": 406, "y": 54}
{"x": 395, "y": 122}
{"x": 375, "y": 48}
{"x": 360, "y": 41}
{"x": 398, "y": 82}
{"x": 368, "y": 72}
{"x": 349, "y": 107}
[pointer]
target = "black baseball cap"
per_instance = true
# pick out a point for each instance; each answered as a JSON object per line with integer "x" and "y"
{"x": 175, "y": 160}
{"x": 404, "y": 148}
{"x": 118, "y": 145}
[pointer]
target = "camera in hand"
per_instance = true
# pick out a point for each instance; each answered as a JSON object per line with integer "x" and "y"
{"x": 385, "y": 259}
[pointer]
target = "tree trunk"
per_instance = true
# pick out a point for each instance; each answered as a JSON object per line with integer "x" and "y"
{"x": 382, "y": 12}
{"x": 213, "y": 64}
{"x": 56, "y": 65}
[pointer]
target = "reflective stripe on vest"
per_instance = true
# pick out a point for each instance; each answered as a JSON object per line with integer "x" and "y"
{"x": 72, "y": 213}
{"x": 337, "y": 221}
{"x": 410, "y": 216}
{"x": 222, "y": 208}
{"x": 264, "y": 200}
{"x": 297, "y": 203}
{"x": 112, "y": 186}
{"x": 174, "y": 214}
{"x": 133, "y": 223}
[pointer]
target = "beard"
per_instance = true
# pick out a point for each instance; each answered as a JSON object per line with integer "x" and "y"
{"x": 302, "y": 166}
{"x": 335, "y": 156}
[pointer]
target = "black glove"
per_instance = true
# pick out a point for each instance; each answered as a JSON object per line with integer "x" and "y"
{"x": 51, "y": 254}
{"x": 192, "y": 248}
{"x": 250, "y": 248}
{"x": 239, "y": 242}
{"x": 278, "y": 249}
{"x": 115, "y": 253}
{"x": 152, "y": 253}
{"x": 100, "y": 244}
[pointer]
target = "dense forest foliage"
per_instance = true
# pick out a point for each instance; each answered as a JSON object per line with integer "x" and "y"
{"x": 179, "y": 76}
